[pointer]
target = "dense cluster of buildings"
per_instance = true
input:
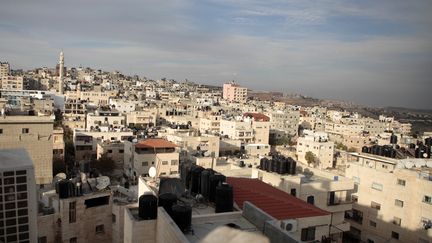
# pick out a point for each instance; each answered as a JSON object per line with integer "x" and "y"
{"x": 88, "y": 156}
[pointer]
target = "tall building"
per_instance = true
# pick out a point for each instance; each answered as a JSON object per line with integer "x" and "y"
{"x": 34, "y": 134}
{"x": 61, "y": 73}
{"x": 18, "y": 214}
{"x": 233, "y": 92}
{"x": 392, "y": 199}
{"x": 4, "y": 69}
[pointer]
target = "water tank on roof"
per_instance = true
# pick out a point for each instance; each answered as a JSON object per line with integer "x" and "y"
{"x": 148, "y": 207}
{"x": 182, "y": 216}
{"x": 66, "y": 189}
{"x": 215, "y": 180}
{"x": 282, "y": 167}
{"x": 224, "y": 198}
{"x": 293, "y": 168}
{"x": 428, "y": 141}
{"x": 393, "y": 139}
{"x": 196, "y": 179}
{"x": 365, "y": 149}
{"x": 167, "y": 200}
{"x": 205, "y": 182}
{"x": 412, "y": 146}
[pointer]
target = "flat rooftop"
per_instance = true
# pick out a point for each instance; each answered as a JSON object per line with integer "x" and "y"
{"x": 15, "y": 159}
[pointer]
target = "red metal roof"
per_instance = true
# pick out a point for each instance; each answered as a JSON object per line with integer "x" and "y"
{"x": 257, "y": 116}
{"x": 271, "y": 200}
{"x": 155, "y": 143}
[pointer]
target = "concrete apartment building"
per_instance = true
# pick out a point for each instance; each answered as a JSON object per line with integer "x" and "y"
{"x": 160, "y": 153}
{"x": 246, "y": 130}
{"x": 234, "y": 92}
{"x": 192, "y": 144}
{"x": 391, "y": 202}
{"x": 13, "y": 83}
{"x": 18, "y": 214}
{"x": 322, "y": 189}
{"x": 58, "y": 143}
{"x": 35, "y": 135}
{"x": 105, "y": 120}
{"x": 85, "y": 141}
{"x": 145, "y": 118}
{"x": 284, "y": 122}
{"x": 319, "y": 146}
{"x": 76, "y": 218}
{"x": 210, "y": 124}
{"x": 4, "y": 69}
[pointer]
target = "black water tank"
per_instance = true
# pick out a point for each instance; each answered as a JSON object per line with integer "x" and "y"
{"x": 224, "y": 198}
{"x": 267, "y": 165}
{"x": 412, "y": 146}
{"x": 148, "y": 207}
{"x": 262, "y": 162}
{"x": 196, "y": 179}
{"x": 167, "y": 200}
{"x": 428, "y": 141}
{"x": 182, "y": 216}
{"x": 293, "y": 167}
{"x": 393, "y": 153}
{"x": 393, "y": 139}
{"x": 215, "y": 180}
{"x": 205, "y": 182}
{"x": 273, "y": 167}
{"x": 63, "y": 189}
{"x": 282, "y": 167}
{"x": 186, "y": 175}
{"x": 365, "y": 149}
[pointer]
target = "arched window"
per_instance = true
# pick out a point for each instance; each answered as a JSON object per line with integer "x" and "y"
{"x": 310, "y": 200}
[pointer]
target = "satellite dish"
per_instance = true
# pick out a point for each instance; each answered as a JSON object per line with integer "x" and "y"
{"x": 409, "y": 164}
{"x": 425, "y": 155}
{"x": 83, "y": 177}
{"x": 152, "y": 172}
{"x": 102, "y": 182}
{"x": 61, "y": 176}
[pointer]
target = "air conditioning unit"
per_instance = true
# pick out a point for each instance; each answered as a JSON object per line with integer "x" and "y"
{"x": 289, "y": 225}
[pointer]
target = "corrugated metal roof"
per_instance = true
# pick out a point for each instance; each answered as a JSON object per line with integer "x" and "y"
{"x": 271, "y": 200}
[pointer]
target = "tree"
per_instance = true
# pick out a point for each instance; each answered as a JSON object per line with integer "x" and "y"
{"x": 104, "y": 164}
{"x": 58, "y": 166}
{"x": 311, "y": 158}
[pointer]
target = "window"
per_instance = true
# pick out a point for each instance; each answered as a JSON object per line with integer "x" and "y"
{"x": 174, "y": 162}
{"x": 42, "y": 239}
{"x": 73, "y": 240}
{"x": 397, "y": 221}
{"x": 25, "y": 130}
{"x": 377, "y": 186}
{"x": 1, "y": 130}
{"x": 72, "y": 212}
{"x": 121, "y": 151}
{"x": 145, "y": 163}
{"x": 310, "y": 200}
{"x": 401, "y": 182}
{"x": 427, "y": 199}
{"x": 372, "y": 224}
{"x": 395, "y": 235}
{"x": 399, "y": 203}
{"x": 293, "y": 192}
{"x": 110, "y": 151}
{"x": 308, "y": 234}
{"x": 164, "y": 162}
{"x": 113, "y": 218}
{"x": 100, "y": 229}
{"x": 375, "y": 205}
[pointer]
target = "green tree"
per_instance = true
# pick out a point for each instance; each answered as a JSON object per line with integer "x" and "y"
{"x": 104, "y": 164}
{"x": 58, "y": 166}
{"x": 311, "y": 158}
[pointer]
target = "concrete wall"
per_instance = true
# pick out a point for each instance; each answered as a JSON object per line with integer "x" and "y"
{"x": 167, "y": 230}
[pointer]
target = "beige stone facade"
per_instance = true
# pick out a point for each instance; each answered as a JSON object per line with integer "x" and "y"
{"x": 34, "y": 134}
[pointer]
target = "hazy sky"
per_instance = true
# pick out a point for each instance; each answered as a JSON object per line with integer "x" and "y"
{"x": 374, "y": 52}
